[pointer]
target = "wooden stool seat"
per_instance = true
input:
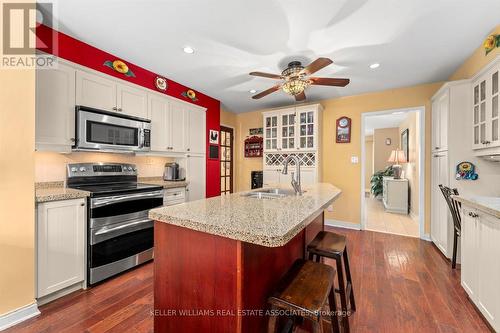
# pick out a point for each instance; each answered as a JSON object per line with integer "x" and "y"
{"x": 331, "y": 245}
{"x": 304, "y": 291}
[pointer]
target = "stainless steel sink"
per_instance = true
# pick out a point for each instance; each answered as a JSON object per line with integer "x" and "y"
{"x": 270, "y": 193}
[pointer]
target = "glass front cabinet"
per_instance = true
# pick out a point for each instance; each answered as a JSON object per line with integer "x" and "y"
{"x": 485, "y": 109}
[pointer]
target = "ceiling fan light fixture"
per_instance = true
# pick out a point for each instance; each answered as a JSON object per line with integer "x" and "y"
{"x": 252, "y": 91}
{"x": 295, "y": 86}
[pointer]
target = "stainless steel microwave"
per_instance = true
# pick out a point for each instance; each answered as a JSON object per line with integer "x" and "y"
{"x": 108, "y": 131}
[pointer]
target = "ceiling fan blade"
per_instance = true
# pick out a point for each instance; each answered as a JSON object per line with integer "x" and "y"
{"x": 300, "y": 97}
{"x": 267, "y": 92}
{"x": 268, "y": 75}
{"x": 323, "y": 81}
{"x": 316, "y": 65}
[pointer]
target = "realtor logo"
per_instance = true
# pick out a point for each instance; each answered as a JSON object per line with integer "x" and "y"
{"x": 19, "y": 39}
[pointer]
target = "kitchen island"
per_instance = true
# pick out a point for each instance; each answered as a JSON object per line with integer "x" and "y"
{"x": 218, "y": 259}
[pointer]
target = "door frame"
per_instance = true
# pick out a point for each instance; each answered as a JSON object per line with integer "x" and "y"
{"x": 233, "y": 151}
{"x": 421, "y": 111}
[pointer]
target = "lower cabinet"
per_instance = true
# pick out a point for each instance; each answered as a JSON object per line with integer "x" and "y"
{"x": 174, "y": 196}
{"x": 441, "y": 222}
{"x": 480, "y": 269}
{"x": 60, "y": 235}
{"x": 395, "y": 195}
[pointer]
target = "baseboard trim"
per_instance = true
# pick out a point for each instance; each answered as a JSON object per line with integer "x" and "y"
{"x": 426, "y": 237}
{"x": 342, "y": 224}
{"x": 16, "y": 316}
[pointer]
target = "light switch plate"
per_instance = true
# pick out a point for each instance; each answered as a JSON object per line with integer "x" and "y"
{"x": 354, "y": 159}
{"x": 330, "y": 208}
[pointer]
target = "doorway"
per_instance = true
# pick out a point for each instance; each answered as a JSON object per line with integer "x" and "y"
{"x": 226, "y": 160}
{"x": 393, "y": 142}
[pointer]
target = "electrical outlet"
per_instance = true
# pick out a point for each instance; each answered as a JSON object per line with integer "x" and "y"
{"x": 330, "y": 208}
{"x": 354, "y": 159}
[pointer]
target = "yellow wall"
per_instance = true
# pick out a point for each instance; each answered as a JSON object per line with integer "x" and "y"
{"x": 17, "y": 193}
{"x": 476, "y": 61}
{"x": 382, "y": 151}
{"x": 336, "y": 164}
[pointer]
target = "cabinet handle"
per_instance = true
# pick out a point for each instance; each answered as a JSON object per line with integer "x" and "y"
{"x": 120, "y": 109}
{"x": 487, "y": 142}
{"x": 188, "y": 149}
{"x": 114, "y": 108}
{"x": 82, "y": 204}
{"x": 436, "y": 147}
{"x": 72, "y": 140}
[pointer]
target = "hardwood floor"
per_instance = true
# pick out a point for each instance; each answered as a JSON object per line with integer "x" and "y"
{"x": 401, "y": 284}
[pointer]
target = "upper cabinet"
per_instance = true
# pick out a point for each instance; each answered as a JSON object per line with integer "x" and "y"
{"x": 440, "y": 112}
{"x": 98, "y": 92}
{"x": 197, "y": 131}
{"x": 291, "y": 129}
{"x": 55, "y": 109}
{"x": 485, "y": 110}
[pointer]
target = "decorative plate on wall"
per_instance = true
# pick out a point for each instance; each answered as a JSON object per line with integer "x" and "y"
{"x": 161, "y": 83}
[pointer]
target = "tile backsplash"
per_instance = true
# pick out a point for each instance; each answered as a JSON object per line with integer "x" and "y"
{"x": 52, "y": 166}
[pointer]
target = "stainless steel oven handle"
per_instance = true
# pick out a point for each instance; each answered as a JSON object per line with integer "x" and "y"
{"x": 108, "y": 233}
{"x": 123, "y": 226}
{"x": 98, "y": 202}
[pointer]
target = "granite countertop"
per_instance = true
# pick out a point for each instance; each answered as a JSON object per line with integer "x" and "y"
{"x": 488, "y": 205}
{"x": 267, "y": 222}
{"x": 55, "y": 191}
{"x": 165, "y": 183}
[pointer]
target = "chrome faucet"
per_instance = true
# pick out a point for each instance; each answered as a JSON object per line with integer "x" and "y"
{"x": 295, "y": 181}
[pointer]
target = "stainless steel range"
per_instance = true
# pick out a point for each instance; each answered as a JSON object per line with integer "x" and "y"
{"x": 120, "y": 234}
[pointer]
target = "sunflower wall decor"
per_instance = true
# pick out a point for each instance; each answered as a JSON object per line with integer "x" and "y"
{"x": 120, "y": 67}
{"x": 190, "y": 94}
{"x": 491, "y": 42}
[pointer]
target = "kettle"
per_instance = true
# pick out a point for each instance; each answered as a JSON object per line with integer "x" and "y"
{"x": 171, "y": 171}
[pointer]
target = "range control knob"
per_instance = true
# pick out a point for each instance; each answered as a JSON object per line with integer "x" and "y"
{"x": 129, "y": 168}
{"x": 83, "y": 169}
{"x": 74, "y": 169}
{"x": 135, "y": 169}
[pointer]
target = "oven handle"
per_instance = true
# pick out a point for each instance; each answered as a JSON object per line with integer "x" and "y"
{"x": 99, "y": 202}
{"x": 122, "y": 229}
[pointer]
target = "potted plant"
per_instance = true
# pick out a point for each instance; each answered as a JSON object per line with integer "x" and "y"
{"x": 377, "y": 180}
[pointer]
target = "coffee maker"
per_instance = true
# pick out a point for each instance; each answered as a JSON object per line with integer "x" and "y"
{"x": 172, "y": 172}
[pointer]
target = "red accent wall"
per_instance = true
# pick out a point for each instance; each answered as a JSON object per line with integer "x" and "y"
{"x": 71, "y": 49}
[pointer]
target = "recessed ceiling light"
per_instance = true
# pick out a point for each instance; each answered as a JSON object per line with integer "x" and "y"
{"x": 188, "y": 50}
{"x": 252, "y": 91}
{"x": 375, "y": 65}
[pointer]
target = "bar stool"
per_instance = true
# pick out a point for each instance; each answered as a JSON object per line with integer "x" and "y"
{"x": 454, "y": 207}
{"x": 331, "y": 245}
{"x": 303, "y": 293}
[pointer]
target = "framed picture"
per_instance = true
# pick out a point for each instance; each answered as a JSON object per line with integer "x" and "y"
{"x": 256, "y": 131}
{"x": 404, "y": 144}
{"x": 214, "y": 137}
{"x": 343, "y": 130}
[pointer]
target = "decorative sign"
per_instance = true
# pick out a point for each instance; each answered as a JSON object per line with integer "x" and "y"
{"x": 120, "y": 67}
{"x": 161, "y": 83}
{"x": 213, "y": 152}
{"x": 214, "y": 137}
{"x": 388, "y": 141}
{"x": 190, "y": 94}
{"x": 256, "y": 131}
{"x": 466, "y": 170}
{"x": 343, "y": 130}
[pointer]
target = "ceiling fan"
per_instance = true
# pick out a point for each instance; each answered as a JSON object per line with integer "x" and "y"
{"x": 296, "y": 78}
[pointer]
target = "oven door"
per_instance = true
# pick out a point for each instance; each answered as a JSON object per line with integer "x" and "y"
{"x": 121, "y": 208}
{"x": 101, "y": 130}
{"x": 118, "y": 247}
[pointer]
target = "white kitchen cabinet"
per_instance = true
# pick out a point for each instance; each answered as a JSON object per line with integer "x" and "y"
{"x": 196, "y": 176}
{"x": 159, "y": 113}
{"x": 441, "y": 221}
{"x": 131, "y": 101}
{"x": 480, "y": 269}
{"x": 271, "y": 129}
{"x": 174, "y": 196}
{"x": 95, "y": 91}
{"x": 440, "y": 112}
{"x": 177, "y": 127}
{"x": 197, "y": 131}
{"x": 61, "y": 230}
{"x": 486, "y": 110}
{"x": 55, "y": 109}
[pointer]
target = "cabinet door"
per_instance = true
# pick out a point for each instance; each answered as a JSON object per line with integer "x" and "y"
{"x": 488, "y": 287}
{"x": 60, "y": 245}
{"x": 197, "y": 131}
{"x": 196, "y": 175}
{"x": 479, "y": 114}
{"x": 159, "y": 113}
{"x": 177, "y": 127}
{"x": 95, "y": 91}
{"x": 494, "y": 121}
{"x": 308, "y": 176}
{"x": 287, "y": 125}
{"x": 132, "y": 101}
{"x": 307, "y": 129}
{"x": 444, "y": 105}
{"x": 435, "y": 125}
{"x": 55, "y": 108}
{"x": 439, "y": 209}
{"x": 468, "y": 243}
{"x": 271, "y": 132}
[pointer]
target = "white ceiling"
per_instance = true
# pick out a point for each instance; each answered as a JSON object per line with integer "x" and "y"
{"x": 384, "y": 121}
{"x": 415, "y": 41}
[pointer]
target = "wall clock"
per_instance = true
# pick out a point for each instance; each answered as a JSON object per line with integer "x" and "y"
{"x": 343, "y": 130}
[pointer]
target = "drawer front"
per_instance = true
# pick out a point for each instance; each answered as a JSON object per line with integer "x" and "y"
{"x": 176, "y": 195}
